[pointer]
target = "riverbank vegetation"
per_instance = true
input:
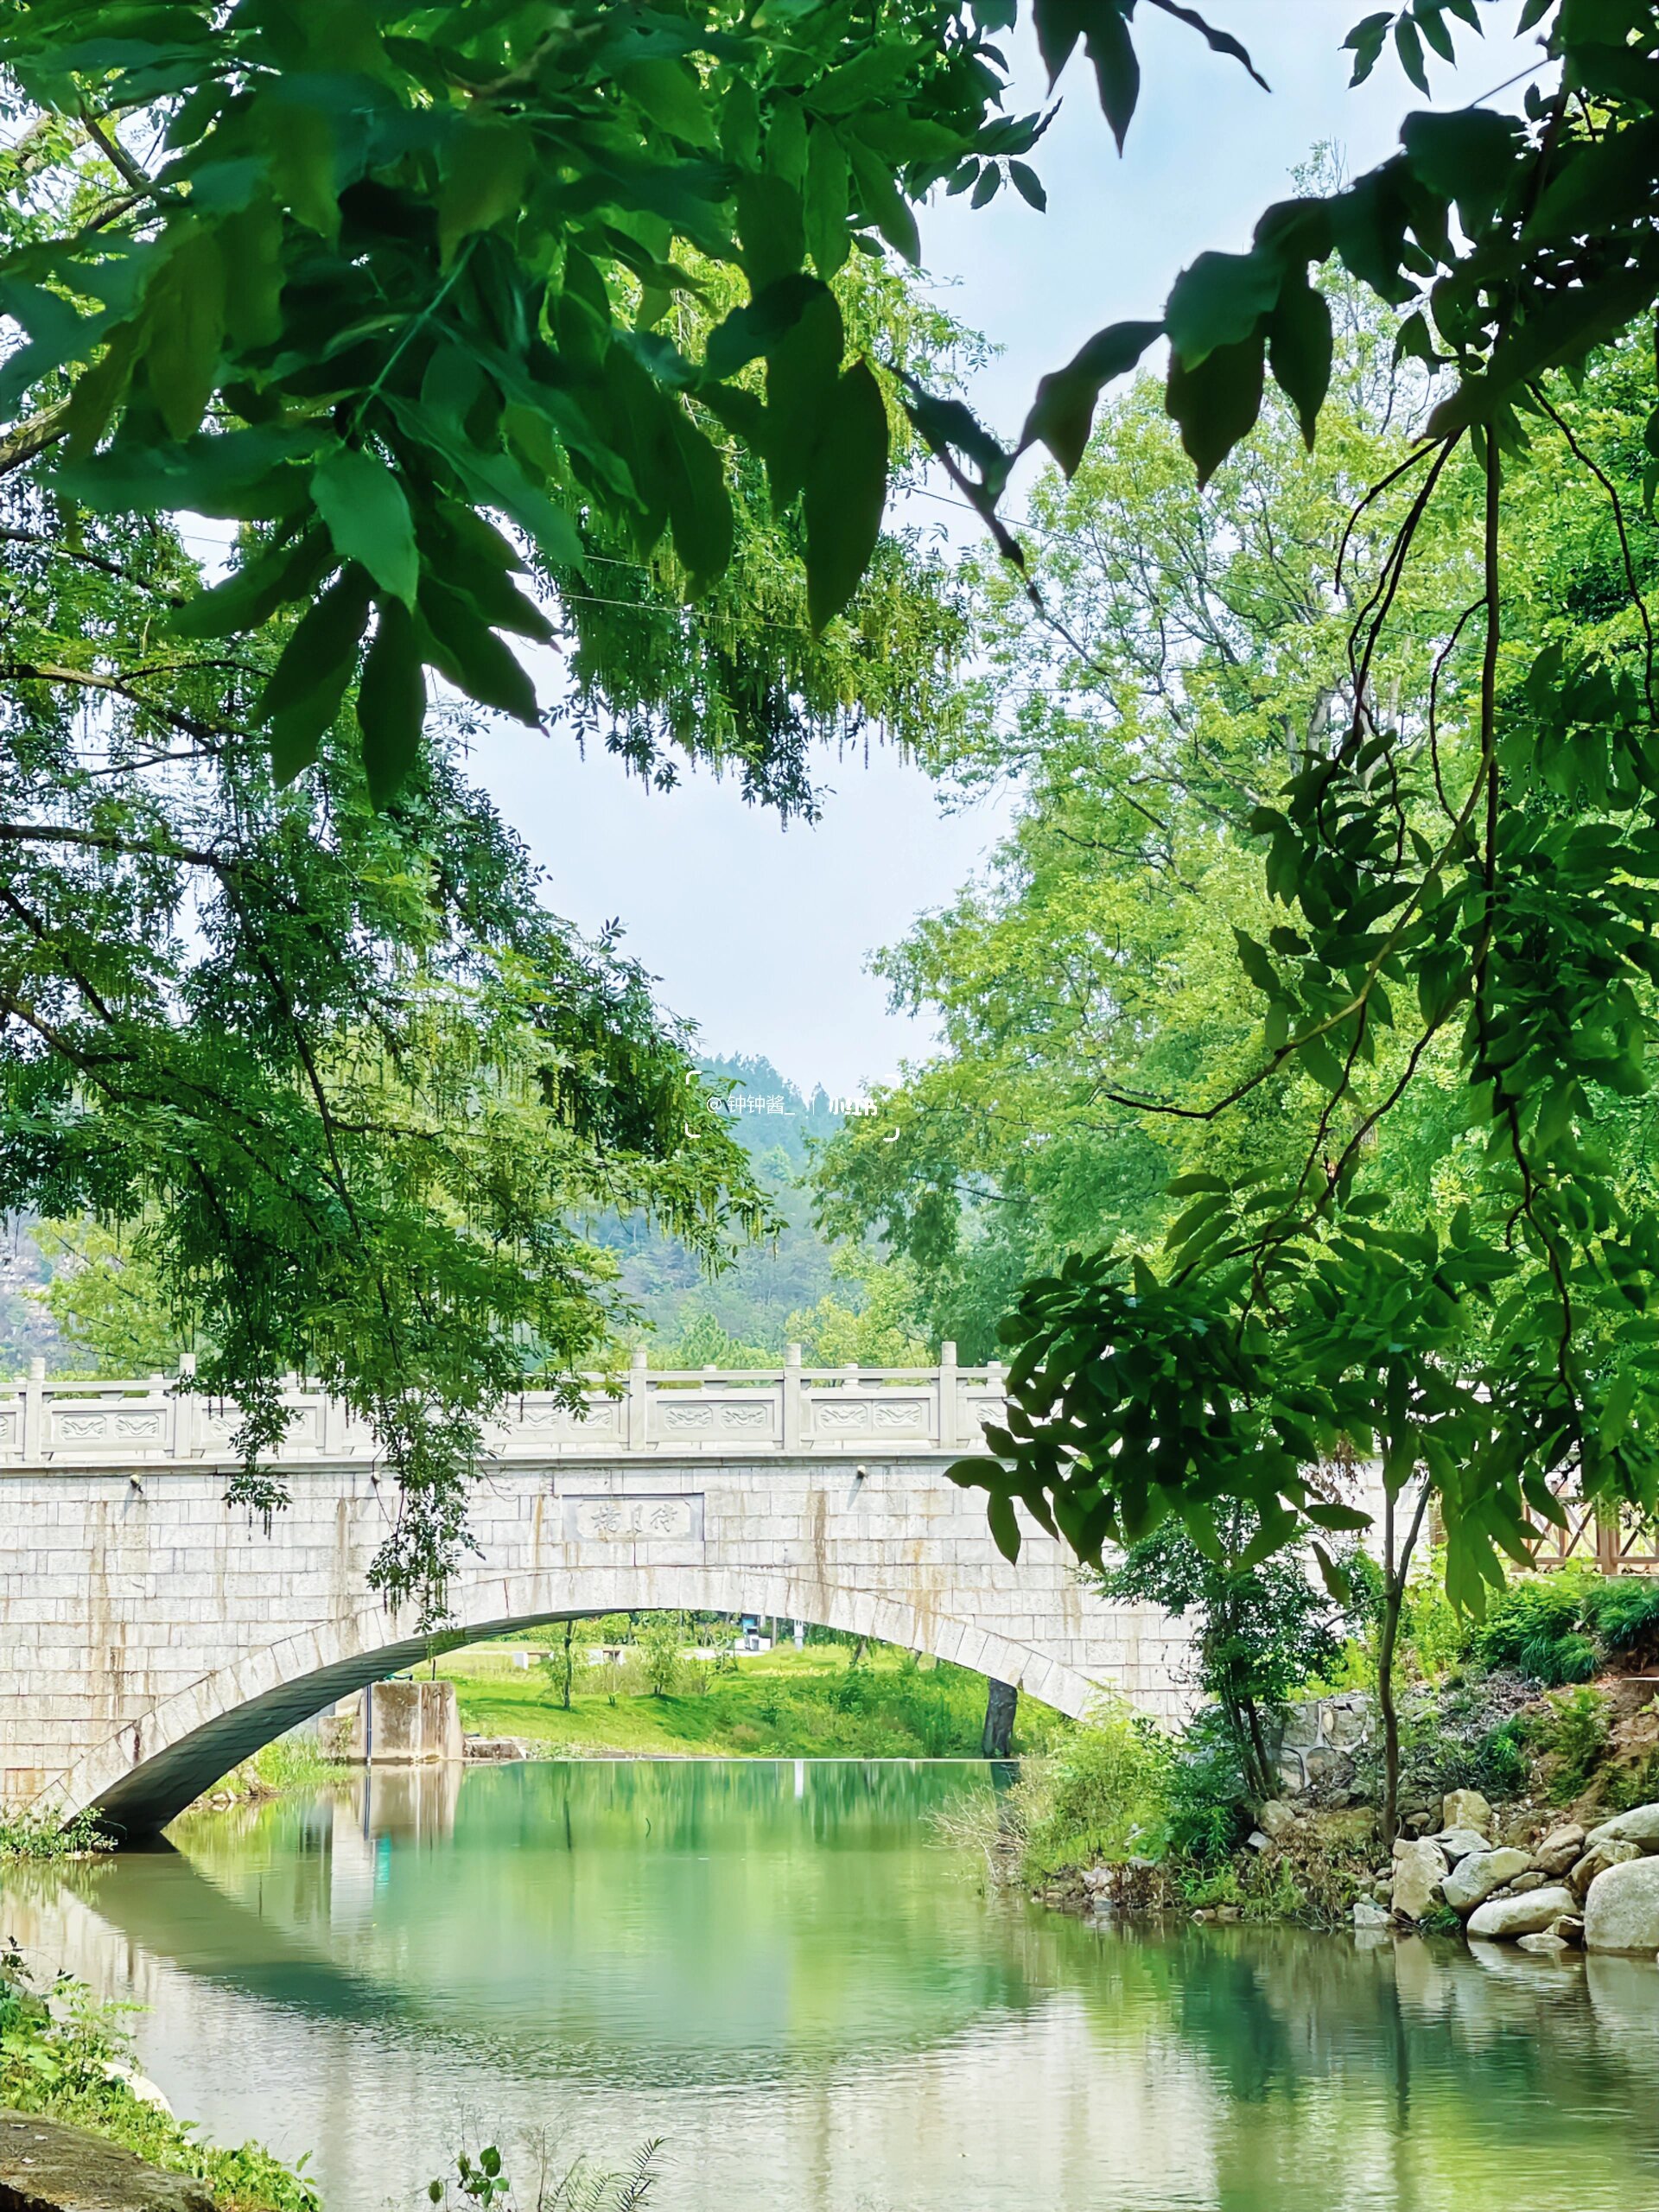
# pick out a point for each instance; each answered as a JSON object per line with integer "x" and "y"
{"x": 834, "y": 1698}
{"x": 68, "y": 2056}
{"x": 296, "y": 1761}
{"x": 1545, "y": 1707}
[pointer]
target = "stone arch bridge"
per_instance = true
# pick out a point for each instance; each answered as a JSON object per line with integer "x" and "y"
{"x": 151, "y": 1635}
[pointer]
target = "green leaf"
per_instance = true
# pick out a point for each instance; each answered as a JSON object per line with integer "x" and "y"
{"x": 802, "y": 369}
{"x": 251, "y": 240}
{"x": 1117, "y": 73}
{"x": 786, "y": 141}
{"x": 699, "y": 507}
{"x": 739, "y": 123}
{"x": 752, "y": 329}
{"x": 990, "y": 183}
{"x": 248, "y": 597}
{"x": 883, "y": 204}
{"x": 297, "y": 734}
{"x": 324, "y": 639}
{"x": 1059, "y": 24}
{"x": 473, "y": 657}
{"x": 185, "y": 317}
{"x": 1219, "y": 301}
{"x": 1344, "y": 1519}
{"x": 1218, "y": 42}
{"x": 828, "y": 238}
{"x": 472, "y": 557}
{"x": 1338, "y": 1583}
{"x": 1063, "y": 412}
{"x": 100, "y": 391}
{"x": 671, "y": 94}
{"x": 1216, "y": 403}
{"x": 487, "y": 166}
{"x": 1027, "y": 182}
{"x": 1469, "y": 156}
{"x": 1409, "y": 48}
{"x": 298, "y": 140}
{"x": 1004, "y": 1525}
{"x": 390, "y": 703}
{"x": 368, "y": 518}
{"x": 1428, "y": 20}
{"x": 1299, "y": 352}
{"x": 1182, "y": 1187}
{"x": 846, "y": 493}
{"x": 769, "y": 228}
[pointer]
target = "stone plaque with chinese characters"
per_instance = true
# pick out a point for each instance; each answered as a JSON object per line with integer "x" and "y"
{"x": 669, "y": 1520}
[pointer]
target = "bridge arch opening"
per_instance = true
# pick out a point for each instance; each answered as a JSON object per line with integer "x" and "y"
{"x": 147, "y": 1771}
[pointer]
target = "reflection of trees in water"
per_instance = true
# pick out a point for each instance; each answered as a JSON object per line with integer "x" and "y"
{"x": 1417, "y": 2061}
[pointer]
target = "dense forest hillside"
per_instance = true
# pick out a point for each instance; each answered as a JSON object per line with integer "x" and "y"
{"x": 731, "y": 1320}
{"x": 81, "y": 1297}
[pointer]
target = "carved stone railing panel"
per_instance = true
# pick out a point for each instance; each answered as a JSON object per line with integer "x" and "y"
{"x": 794, "y": 1410}
{"x": 848, "y": 1415}
{"x": 544, "y": 1423}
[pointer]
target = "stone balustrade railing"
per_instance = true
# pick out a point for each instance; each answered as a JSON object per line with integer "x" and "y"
{"x": 784, "y": 1411}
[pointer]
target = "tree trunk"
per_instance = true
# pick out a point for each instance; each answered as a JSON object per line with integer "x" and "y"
{"x": 1262, "y": 1788}
{"x": 1002, "y": 1702}
{"x": 1393, "y": 1595}
{"x": 569, "y": 1662}
{"x": 1394, "y": 1570}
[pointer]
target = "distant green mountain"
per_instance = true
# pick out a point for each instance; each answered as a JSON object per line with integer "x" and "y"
{"x": 748, "y": 1306}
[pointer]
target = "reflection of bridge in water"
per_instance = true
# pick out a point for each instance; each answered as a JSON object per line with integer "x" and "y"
{"x": 150, "y": 1635}
{"x": 366, "y": 1904}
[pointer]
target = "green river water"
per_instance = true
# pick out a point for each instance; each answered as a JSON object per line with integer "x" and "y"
{"x": 774, "y": 1966}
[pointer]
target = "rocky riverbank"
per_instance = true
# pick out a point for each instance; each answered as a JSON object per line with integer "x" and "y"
{"x": 1562, "y": 1888}
{"x": 1566, "y": 1858}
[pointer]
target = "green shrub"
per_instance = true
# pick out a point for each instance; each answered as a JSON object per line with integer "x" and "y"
{"x": 1637, "y": 1784}
{"x": 1573, "y": 1730}
{"x": 1627, "y": 1615}
{"x": 1208, "y": 1812}
{"x": 1563, "y": 1628}
{"x": 25, "y": 1833}
{"x": 1101, "y": 1795}
{"x": 66, "y": 2060}
{"x": 1434, "y": 1635}
{"x": 1542, "y": 1627}
{"x": 293, "y": 1762}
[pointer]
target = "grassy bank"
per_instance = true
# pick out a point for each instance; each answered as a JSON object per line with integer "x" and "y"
{"x": 814, "y": 1703}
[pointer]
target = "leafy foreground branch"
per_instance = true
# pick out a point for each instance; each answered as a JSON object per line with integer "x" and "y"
{"x": 1461, "y": 888}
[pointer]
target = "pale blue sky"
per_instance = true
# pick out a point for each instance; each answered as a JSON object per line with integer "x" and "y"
{"x": 760, "y": 934}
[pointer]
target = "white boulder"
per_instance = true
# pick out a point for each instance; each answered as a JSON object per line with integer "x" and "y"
{"x": 1419, "y": 1871}
{"x": 1561, "y": 1849}
{"x": 1461, "y": 1843}
{"x": 1466, "y": 1809}
{"x": 1472, "y": 1880}
{"x": 1503, "y": 1919}
{"x": 1640, "y": 1826}
{"x": 1621, "y": 1908}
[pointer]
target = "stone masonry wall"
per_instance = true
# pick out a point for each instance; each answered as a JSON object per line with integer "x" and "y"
{"x": 1316, "y": 1751}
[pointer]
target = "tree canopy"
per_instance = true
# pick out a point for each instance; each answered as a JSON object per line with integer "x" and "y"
{"x": 422, "y": 297}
